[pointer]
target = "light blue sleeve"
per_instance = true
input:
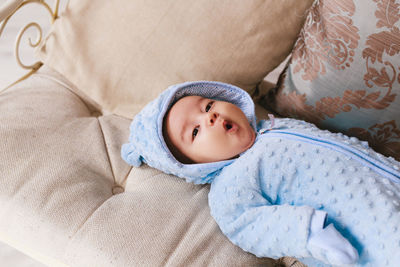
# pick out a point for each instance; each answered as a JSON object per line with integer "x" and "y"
{"x": 251, "y": 222}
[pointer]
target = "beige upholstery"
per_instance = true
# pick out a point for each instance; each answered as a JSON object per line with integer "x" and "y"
{"x": 123, "y": 61}
{"x": 62, "y": 189}
{"x": 67, "y": 198}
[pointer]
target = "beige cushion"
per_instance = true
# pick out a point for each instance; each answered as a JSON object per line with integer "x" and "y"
{"x": 344, "y": 74}
{"x": 123, "y": 53}
{"x": 60, "y": 193}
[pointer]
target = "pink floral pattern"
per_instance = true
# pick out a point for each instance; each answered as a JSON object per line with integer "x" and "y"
{"x": 379, "y": 72}
{"x": 384, "y": 137}
{"x": 331, "y": 37}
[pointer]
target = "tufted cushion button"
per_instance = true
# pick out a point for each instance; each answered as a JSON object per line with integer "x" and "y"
{"x": 96, "y": 113}
{"x": 117, "y": 189}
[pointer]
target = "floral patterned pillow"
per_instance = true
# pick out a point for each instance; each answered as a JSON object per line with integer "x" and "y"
{"x": 344, "y": 74}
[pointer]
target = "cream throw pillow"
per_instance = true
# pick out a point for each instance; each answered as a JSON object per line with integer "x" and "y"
{"x": 124, "y": 53}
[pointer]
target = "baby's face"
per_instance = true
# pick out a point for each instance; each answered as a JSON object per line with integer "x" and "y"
{"x": 204, "y": 130}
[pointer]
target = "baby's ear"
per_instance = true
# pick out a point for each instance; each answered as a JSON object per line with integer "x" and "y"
{"x": 130, "y": 155}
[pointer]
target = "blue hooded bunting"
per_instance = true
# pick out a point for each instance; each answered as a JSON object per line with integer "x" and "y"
{"x": 147, "y": 125}
{"x": 267, "y": 199}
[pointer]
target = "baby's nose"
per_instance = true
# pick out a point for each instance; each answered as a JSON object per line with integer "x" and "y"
{"x": 212, "y": 118}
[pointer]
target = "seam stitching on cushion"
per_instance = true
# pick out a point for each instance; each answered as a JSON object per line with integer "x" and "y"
{"x": 87, "y": 106}
{"x": 112, "y": 172}
{"x": 108, "y": 154}
{"x": 87, "y": 219}
{"x": 123, "y": 182}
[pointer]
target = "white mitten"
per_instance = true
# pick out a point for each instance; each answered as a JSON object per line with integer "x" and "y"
{"x": 327, "y": 244}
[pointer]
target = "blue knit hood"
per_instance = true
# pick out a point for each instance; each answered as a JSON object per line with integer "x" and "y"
{"x": 146, "y": 141}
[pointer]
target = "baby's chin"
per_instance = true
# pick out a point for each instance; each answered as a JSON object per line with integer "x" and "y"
{"x": 246, "y": 145}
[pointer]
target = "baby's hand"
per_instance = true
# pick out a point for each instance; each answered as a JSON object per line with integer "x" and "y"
{"x": 328, "y": 245}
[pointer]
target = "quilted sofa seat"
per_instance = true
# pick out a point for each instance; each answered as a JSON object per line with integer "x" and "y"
{"x": 68, "y": 199}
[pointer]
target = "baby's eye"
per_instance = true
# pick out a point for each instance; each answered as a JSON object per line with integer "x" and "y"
{"x": 195, "y": 132}
{"x": 209, "y": 105}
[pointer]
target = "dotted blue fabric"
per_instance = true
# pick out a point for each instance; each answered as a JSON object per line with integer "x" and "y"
{"x": 263, "y": 201}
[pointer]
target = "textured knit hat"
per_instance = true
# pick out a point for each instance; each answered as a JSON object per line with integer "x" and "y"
{"x": 146, "y": 141}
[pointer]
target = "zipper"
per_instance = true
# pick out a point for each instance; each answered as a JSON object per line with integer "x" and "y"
{"x": 391, "y": 173}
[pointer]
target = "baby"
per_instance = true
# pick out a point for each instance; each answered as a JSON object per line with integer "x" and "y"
{"x": 282, "y": 187}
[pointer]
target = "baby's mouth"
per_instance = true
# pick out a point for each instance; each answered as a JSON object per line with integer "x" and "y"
{"x": 229, "y": 126}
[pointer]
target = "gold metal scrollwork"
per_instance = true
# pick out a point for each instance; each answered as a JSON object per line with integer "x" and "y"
{"x": 7, "y": 11}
